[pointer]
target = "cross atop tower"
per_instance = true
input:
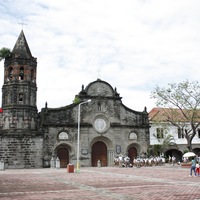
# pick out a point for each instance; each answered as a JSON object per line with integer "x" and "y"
{"x": 22, "y": 24}
{"x": 99, "y": 73}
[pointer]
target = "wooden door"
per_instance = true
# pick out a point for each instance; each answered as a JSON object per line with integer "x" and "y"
{"x": 99, "y": 152}
{"x": 132, "y": 153}
{"x": 63, "y": 155}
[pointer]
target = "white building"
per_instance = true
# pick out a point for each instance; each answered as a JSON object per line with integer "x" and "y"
{"x": 160, "y": 128}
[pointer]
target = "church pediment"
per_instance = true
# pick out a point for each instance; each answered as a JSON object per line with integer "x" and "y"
{"x": 100, "y": 88}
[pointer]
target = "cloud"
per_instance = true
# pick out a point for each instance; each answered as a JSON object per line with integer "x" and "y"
{"x": 133, "y": 45}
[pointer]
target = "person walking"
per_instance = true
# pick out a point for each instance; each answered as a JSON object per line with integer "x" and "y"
{"x": 193, "y": 167}
{"x": 197, "y": 169}
{"x": 169, "y": 159}
{"x": 173, "y": 160}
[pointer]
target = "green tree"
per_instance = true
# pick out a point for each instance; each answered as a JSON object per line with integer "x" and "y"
{"x": 183, "y": 103}
{"x": 76, "y": 100}
{"x": 166, "y": 142}
{"x": 155, "y": 150}
{"x": 4, "y": 52}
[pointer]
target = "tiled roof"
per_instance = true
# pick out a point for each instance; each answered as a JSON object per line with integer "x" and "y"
{"x": 164, "y": 114}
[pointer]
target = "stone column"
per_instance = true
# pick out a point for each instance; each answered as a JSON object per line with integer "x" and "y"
{"x": 110, "y": 158}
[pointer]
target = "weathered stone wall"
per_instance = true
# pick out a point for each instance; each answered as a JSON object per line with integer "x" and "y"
{"x": 51, "y": 141}
{"x": 21, "y": 150}
{"x": 117, "y": 120}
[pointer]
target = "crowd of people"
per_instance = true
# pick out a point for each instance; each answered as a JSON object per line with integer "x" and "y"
{"x": 125, "y": 161}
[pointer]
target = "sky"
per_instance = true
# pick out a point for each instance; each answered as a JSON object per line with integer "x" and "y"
{"x": 134, "y": 45}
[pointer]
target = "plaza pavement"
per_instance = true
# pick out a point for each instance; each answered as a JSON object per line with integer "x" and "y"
{"x": 106, "y": 183}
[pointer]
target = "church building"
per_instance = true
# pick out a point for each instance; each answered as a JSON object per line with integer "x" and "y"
{"x": 97, "y": 126}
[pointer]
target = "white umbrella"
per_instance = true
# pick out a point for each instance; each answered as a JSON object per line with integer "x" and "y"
{"x": 189, "y": 154}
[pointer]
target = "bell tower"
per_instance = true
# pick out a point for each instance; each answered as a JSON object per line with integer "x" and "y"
{"x": 19, "y": 89}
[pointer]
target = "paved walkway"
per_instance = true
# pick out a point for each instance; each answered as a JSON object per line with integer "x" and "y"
{"x": 105, "y": 183}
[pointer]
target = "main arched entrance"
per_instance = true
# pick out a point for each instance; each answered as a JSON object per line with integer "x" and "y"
{"x": 99, "y": 152}
{"x": 63, "y": 155}
{"x": 132, "y": 153}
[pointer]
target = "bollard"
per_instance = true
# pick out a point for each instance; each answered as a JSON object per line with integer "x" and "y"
{"x": 57, "y": 163}
{"x": 52, "y": 163}
{"x": 98, "y": 163}
{"x": 2, "y": 164}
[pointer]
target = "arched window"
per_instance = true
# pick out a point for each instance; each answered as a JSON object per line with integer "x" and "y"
{"x": 99, "y": 106}
{"x": 10, "y": 73}
{"x": 21, "y": 73}
{"x": 21, "y": 97}
{"x": 133, "y": 136}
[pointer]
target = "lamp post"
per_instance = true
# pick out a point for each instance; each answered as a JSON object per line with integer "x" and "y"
{"x": 78, "y": 138}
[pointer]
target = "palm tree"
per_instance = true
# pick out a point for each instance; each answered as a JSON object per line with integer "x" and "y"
{"x": 165, "y": 142}
{"x": 4, "y": 52}
{"x": 168, "y": 141}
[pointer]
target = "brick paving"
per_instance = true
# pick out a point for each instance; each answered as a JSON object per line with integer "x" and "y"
{"x": 106, "y": 183}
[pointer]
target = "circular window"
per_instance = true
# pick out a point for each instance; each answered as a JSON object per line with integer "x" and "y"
{"x": 100, "y": 124}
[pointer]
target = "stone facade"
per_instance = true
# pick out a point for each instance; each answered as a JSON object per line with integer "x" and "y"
{"x": 104, "y": 123}
{"x": 106, "y": 127}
